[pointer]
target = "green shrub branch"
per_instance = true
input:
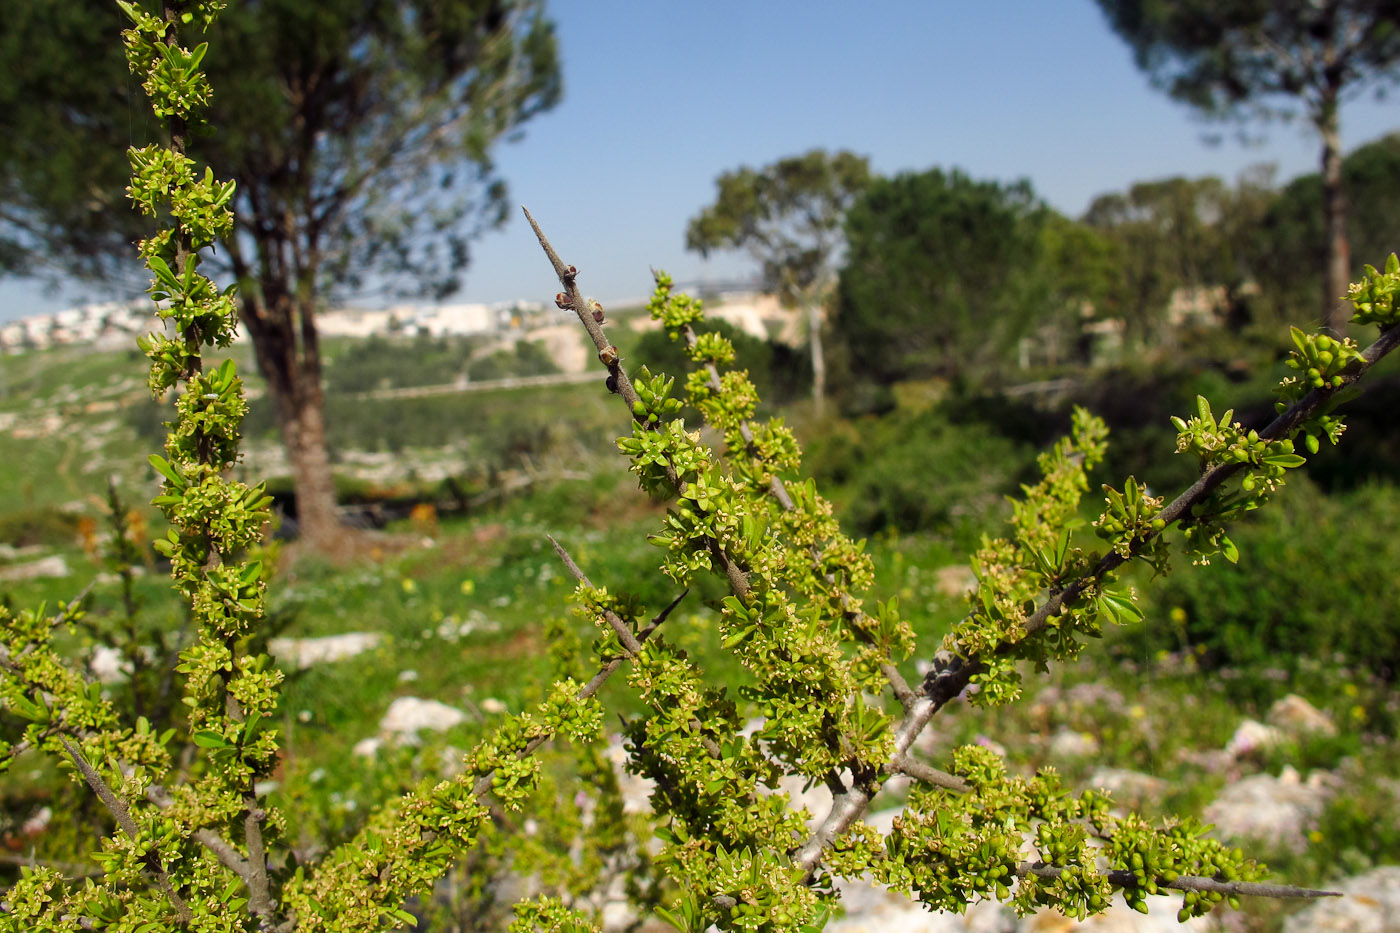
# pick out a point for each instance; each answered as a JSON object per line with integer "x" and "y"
{"x": 197, "y": 847}
{"x": 1038, "y": 597}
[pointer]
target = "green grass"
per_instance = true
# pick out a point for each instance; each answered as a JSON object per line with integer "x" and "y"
{"x": 468, "y": 614}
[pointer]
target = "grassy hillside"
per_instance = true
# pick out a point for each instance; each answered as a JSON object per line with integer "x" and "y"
{"x": 467, "y": 606}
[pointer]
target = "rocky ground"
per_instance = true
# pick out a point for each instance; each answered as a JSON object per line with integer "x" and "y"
{"x": 1274, "y": 809}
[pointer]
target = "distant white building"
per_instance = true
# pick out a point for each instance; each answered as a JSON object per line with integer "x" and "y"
{"x": 464, "y": 320}
{"x": 756, "y": 314}
{"x": 760, "y": 316}
{"x": 11, "y": 336}
{"x": 352, "y": 322}
{"x": 110, "y": 324}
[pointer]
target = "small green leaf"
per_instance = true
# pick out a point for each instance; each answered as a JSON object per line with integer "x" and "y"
{"x": 197, "y": 56}
{"x": 1106, "y": 608}
{"x": 672, "y": 919}
{"x": 738, "y": 637}
{"x": 1300, "y": 340}
{"x": 209, "y": 740}
{"x": 29, "y": 709}
{"x": 163, "y": 273}
{"x": 163, "y": 467}
{"x": 1122, "y": 606}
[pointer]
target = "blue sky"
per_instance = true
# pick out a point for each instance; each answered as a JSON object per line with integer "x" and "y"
{"x": 660, "y": 97}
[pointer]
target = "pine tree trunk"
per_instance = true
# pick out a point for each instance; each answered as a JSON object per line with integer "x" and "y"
{"x": 283, "y": 331}
{"x": 814, "y": 327}
{"x": 1334, "y": 205}
{"x": 301, "y": 417}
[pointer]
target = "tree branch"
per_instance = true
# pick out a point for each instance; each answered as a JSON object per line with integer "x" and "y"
{"x": 260, "y": 898}
{"x": 122, "y": 814}
{"x": 227, "y": 855}
{"x": 595, "y": 683}
{"x": 624, "y": 634}
{"x": 928, "y": 774}
{"x": 1121, "y": 878}
{"x": 951, "y": 675}
{"x": 778, "y": 489}
{"x": 607, "y": 355}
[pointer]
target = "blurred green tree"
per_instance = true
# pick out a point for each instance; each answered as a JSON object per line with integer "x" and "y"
{"x": 1241, "y": 58}
{"x": 1179, "y": 233}
{"x": 943, "y": 276}
{"x": 359, "y": 133}
{"x": 788, "y": 216}
{"x": 779, "y": 372}
{"x": 1289, "y": 246}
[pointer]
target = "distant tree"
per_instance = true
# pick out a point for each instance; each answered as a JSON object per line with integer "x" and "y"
{"x": 1083, "y": 258}
{"x": 523, "y": 358}
{"x": 1082, "y": 266}
{"x": 1272, "y": 57}
{"x": 778, "y": 371}
{"x": 943, "y": 275}
{"x": 1167, "y": 237}
{"x": 788, "y": 216}
{"x": 359, "y": 134}
{"x": 1289, "y": 244}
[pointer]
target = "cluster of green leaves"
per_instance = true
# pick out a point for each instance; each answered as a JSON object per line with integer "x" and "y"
{"x": 1040, "y": 557}
{"x": 213, "y": 522}
{"x": 824, "y": 671}
{"x": 781, "y": 372}
{"x": 1011, "y": 619}
{"x": 193, "y": 841}
{"x": 1336, "y": 551}
{"x": 950, "y": 849}
{"x": 824, "y": 700}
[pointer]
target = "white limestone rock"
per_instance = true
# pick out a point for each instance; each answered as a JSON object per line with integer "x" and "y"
{"x": 1296, "y": 716}
{"x": 1370, "y": 903}
{"x": 954, "y": 580}
{"x": 1129, "y": 788}
{"x": 871, "y": 909}
{"x": 52, "y": 566}
{"x": 108, "y": 665}
{"x": 1120, "y": 918}
{"x": 407, "y": 716}
{"x": 302, "y": 653}
{"x": 1273, "y": 810}
{"x": 635, "y": 790}
{"x": 1066, "y": 743}
{"x": 1252, "y": 736}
